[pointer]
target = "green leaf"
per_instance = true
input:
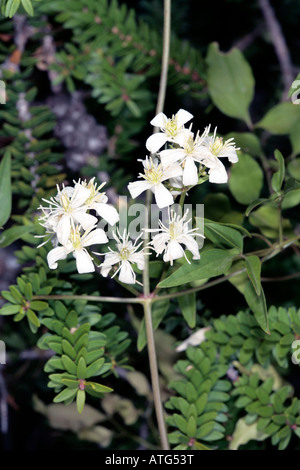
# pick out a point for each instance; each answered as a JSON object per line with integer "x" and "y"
{"x": 94, "y": 368}
{"x": 11, "y": 7}
{"x": 80, "y": 400}
{"x": 230, "y": 82}
{"x": 257, "y": 304}
{"x": 212, "y": 263}
{"x": 253, "y": 266}
{"x": 38, "y": 305}
{"x": 66, "y": 394}
{"x": 98, "y": 388}
{"x": 5, "y": 188}
{"x": 14, "y": 233}
{"x": 280, "y": 119}
{"x": 187, "y": 305}
{"x": 81, "y": 369}
{"x": 33, "y": 318}
{"x": 9, "y": 309}
{"x": 28, "y": 7}
{"x": 69, "y": 365}
{"x": 246, "y": 179}
{"x": 278, "y": 177}
{"x": 254, "y": 204}
{"x": 222, "y": 234}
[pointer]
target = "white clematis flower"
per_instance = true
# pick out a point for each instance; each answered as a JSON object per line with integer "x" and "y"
{"x": 188, "y": 153}
{"x": 68, "y": 209}
{"x": 170, "y": 129}
{"x": 77, "y": 244}
{"x": 98, "y": 201}
{"x": 170, "y": 238}
{"x": 126, "y": 254}
{"x": 213, "y": 149}
{"x": 153, "y": 178}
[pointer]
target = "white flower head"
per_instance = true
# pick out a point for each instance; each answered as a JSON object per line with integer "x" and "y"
{"x": 187, "y": 154}
{"x": 170, "y": 129}
{"x": 215, "y": 148}
{"x": 125, "y": 255}
{"x": 170, "y": 238}
{"x": 67, "y": 210}
{"x": 97, "y": 201}
{"x": 154, "y": 176}
{"x": 77, "y": 244}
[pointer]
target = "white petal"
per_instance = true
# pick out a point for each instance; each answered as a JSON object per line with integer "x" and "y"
{"x": 84, "y": 262}
{"x": 95, "y": 237}
{"x": 156, "y": 141}
{"x": 139, "y": 259}
{"x": 80, "y": 195}
{"x": 163, "y": 197}
{"x": 159, "y": 242}
{"x": 183, "y": 116}
{"x": 109, "y": 261}
{"x": 190, "y": 172}
{"x": 172, "y": 171}
{"x": 84, "y": 219}
{"x": 138, "y": 187}
{"x": 174, "y": 251}
{"x": 107, "y": 212}
{"x": 126, "y": 273}
{"x": 63, "y": 229}
{"x": 191, "y": 245}
{"x": 159, "y": 120}
{"x": 232, "y": 157}
{"x": 171, "y": 156}
{"x": 54, "y": 255}
{"x": 218, "y": 174}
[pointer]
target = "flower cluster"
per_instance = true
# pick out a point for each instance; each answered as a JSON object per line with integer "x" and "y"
{"x": 171, "y": 171}
{"x": 71, "y": 217}
{"x": 73, "y": 229}
{"x": 189, "y": 157}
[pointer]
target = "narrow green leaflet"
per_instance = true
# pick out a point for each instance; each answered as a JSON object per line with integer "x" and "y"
{"x": 257, "y": 304}
{"x": 28, "y": 7}
{"x": 230, "y": 82}
{"x": 5, "y": 189}
{"x": 12, "y": 7}
{"x": 212, "y": 263}
{"x": 253, "y": 266}
{"x": 278, "y": 177}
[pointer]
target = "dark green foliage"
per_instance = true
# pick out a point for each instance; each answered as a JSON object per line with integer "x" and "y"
{"x": 204, "y": 395}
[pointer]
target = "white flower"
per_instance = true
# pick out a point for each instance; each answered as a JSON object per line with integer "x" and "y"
{"x": 153, "y": 177}
{"x": 213, "y": 149}
{"x": 170, "y": 238}
{"x": 171, "y": 129}
{"x": 68, "y": 209}
{"x": 125, "y": 255}
{"x": 187, "y": 155}
{"x": 98, "y": 201}
{"x": 77, "y": 244}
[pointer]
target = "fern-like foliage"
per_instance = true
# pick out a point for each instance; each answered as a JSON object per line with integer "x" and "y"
{"x": 236, "y": 372}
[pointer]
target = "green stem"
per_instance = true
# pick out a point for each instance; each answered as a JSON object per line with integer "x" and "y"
{"x": 91, "y": 298}
{"x": 165, "y": 57}
{"x": 154, "y": 376}
{"x": 146, "y": 279}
